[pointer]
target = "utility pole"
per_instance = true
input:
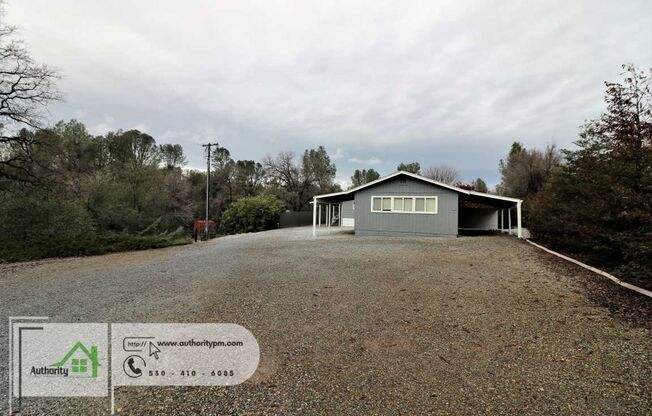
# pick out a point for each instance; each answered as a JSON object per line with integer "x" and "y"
{"x": 208, "y": 182}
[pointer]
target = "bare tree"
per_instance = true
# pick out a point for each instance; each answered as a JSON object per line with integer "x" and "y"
{"x": 525, "y": 171}
{"x": 26, "y": 88}
{"x": 442, "y": 173}
{"x": 297, "y": 183}
{"x": 284, "y": 178}
{"x": 282, "y": 171}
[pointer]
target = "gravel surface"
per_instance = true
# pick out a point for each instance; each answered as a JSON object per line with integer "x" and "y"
{"x": 363, "y": 325}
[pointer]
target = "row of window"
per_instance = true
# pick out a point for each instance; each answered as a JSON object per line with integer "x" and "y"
{"x": 404, "y": 204}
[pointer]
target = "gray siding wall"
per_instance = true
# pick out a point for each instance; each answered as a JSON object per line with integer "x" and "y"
{"x": 347, "y": 209}
{"x": 386, "y": 223}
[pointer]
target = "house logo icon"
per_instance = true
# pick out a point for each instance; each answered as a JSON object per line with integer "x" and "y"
{"x": 80, "y": 361}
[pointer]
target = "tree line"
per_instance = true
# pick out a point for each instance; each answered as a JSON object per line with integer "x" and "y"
{"x": 67, "y": 191}
{"x": 595, "y": 201}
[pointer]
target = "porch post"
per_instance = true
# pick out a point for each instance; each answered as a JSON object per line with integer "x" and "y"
{"x": 319, "y": 213}
{"x": 328, "y": 218}
{"x": 339, "y": 214}
{"x": 509, "y": 221}
{"x": 314, "y": 216}
{"x": 518, "y": 219}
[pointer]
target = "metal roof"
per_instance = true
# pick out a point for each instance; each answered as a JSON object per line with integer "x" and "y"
{"x": 421, "y": 178}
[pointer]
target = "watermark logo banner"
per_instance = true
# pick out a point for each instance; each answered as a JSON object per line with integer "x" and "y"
{"x": 60, "y": 359}
{"x": 182, "y": 354}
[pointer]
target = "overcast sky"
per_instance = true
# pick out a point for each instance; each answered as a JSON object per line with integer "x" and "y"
{"x": 376, "y": 83}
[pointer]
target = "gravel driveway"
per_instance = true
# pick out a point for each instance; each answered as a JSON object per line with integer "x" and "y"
{"x": 358, "y": 325}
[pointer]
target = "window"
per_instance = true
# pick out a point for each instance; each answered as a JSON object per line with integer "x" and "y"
{"x": 404, "y": 204}
{"x": 431, "y": 205}
{"x": 79, "y": 365}
{"x": 419, "y": 204}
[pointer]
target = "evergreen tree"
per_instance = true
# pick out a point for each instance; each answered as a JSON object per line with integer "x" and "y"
{"x": 599, "y": 203}
{"x": 360, "y": 177}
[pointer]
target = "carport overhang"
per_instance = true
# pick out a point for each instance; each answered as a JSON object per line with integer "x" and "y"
{"x": 333, "y": 203}
{"x": 498, "y": 201}
{"x": 503, "y": 205}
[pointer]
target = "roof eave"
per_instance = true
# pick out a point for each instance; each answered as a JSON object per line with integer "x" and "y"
{"x": 500, "y": 197}
{"x": 421, "y": 178}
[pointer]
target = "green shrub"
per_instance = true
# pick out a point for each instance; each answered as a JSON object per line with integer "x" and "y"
{"x": 43, "y": 224}
{"x": 88, "y": 244}
{"x": 41, "y": 216}
{"x": 252, "y": 214}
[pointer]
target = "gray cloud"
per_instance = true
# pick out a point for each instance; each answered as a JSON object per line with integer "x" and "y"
{"x": 372, "y": 161}
{"x": 377, "y": 83}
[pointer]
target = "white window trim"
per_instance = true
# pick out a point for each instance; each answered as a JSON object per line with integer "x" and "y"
{"x": 392, "y": 211}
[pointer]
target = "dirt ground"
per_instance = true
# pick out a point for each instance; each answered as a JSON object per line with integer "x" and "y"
{"x": 364, "y": 325}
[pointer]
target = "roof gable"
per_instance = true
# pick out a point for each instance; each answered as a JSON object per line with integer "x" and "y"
{"x": 421, "y": 178}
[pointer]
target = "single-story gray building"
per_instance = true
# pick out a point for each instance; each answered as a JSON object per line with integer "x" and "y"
{"x": 404, "y": 203}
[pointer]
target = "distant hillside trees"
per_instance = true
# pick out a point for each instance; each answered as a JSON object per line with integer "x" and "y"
{"x": 442, "y": 173}
{"x": 360, "y": 177}
{"x": 480, "y": 185}
{"x": 413, "y": 167}
{"x": 525, "y": 171}
{"x": 232, "y": 180}
{"x": 94, "y": 194}
{"x": 172, "y": 156}
{"x": 296, "y": 183}
{"x": 86, "y": 194}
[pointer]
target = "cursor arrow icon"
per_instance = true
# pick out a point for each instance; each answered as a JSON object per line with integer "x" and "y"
{"x": 153, "y": 350}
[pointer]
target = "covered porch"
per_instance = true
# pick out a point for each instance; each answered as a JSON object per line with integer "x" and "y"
{"x": 486, "y": 212}
{"x": 327, "y": 213}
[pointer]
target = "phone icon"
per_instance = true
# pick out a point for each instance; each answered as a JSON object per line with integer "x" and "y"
{"x": 133, "y": 366}
{"x": 130, "y": 363}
